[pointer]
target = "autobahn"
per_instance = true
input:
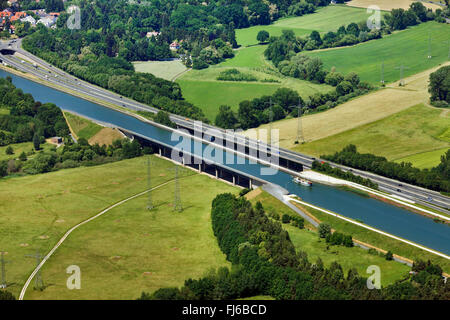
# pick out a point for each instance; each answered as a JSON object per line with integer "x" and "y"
{"x": 52, "y": 76}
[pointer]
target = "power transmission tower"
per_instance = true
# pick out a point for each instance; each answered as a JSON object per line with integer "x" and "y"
{"x": 270, "y": 122}
{"x": 177, "y": 206}
{"x": 382, "y": 72}
{"x": 38, "y": 279}
{"x": 300, "y": 137}
{"x": 3, "y": 283}
{"x": 402, "y": 68}
{"x": 149, "y": 184}
{"x": 429, "y": 45}
{"x": 448, "y": 42}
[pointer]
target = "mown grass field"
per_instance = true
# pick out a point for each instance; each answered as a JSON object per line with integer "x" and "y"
{"x": 202, "y": 89}
{"x": 424, "y": 160}
{"x": 83, "y": 128}
{"x": 161, "y": 69}
{"x": 326, "y": 19}
{"x": 408, "y": 47}
{"x": 38, "y": 210}
{"x": 308, "y": 241}
{"x": 22, "y": 147}
{"x": 130, "y": 250}
{"x": 417, "y": 130}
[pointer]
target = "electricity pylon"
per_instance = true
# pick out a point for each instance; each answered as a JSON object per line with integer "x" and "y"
{"x": 300, "y": 137}
{"x": 177, "y": 206}
{"x": 149, "y": 184}
{"x": 382, "y": 72}
{"x": 402, "y": 68}
{"x": 37, "y": 279}
{"x": 3, "y": 283}
{"x": 429, "y": 45}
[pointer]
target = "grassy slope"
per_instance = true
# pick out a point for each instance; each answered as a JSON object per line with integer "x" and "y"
{"x": 161, "y": 69}
{"x": 389, "y": 4}
{"x": 21, "y": 147}
{"x": 326, "y": 19}
{"x": 417, "y": 129}
{"x": 408, "y": 47}
{"x": 49, "y": 204}
{"x": 82, "y": 127}
{"x": 308, "y": 241}
{"x": 202, "y": 89}
{"x": 424, "y": 160}
{"x": 119, "y": 249}
{"x": 379, "y": 240}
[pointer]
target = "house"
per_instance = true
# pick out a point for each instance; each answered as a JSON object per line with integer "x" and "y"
{"x": 29, "y": 19}
{"x": 18, "y": 16}
{"x": 48, "y": 21}
{"x": 5, "y": 14}
{"x": 153, "y": 34}
{"x": 56, "y": 140}
{"x": 174, "y": 46}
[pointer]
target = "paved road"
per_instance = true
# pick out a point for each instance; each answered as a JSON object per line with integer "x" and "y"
{"x": 55, "y": 76}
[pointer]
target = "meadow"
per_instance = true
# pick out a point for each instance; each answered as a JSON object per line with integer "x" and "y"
{"x": 408, "y": 48}
{"x": 131, "y": 250}
{"x": 325, "y": 19}
{"x": 18, "y": 148}
{"x": 201, "y": 88}
{"x": 161, "y": 69}
{"x": 390, "y": 4}
{"x": 307, "y": 240}
{"x": 417, "y": 134}
{"x": 38, "y": 210}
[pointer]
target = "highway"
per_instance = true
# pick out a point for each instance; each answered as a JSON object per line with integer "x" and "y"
{"x": 54, "y": 76}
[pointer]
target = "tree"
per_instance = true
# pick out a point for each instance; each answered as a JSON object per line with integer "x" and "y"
{"x": 226, "y": 118}
{"x": 262, "y": 36}
{"x": 344, "y": 88}
{"x": 440, "y": 85}
{"x": 315, "y": 36}
{"x": 36, "y": 142}
{"x": 324, "y": 230}
{"x": 9, "y": 150}
{"x": 389, "y": 255}
{"x": 23, "y": 156}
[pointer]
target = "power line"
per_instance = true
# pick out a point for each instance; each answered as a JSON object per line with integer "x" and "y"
{"x": 38, "y": 279}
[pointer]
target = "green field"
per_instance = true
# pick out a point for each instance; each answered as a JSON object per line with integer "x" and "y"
{"x": 408, "y": 48}
{"x": 379, "y": 240}
{"x": 201, "y": 88}
{"x": 161, "y": 69}
{"x": 326, "y": 19}
{"x": 18, "y": 148}
{"x": 38, "y": 210}
{"x": 418, "y": 134}
{"x": 133, "y": 250}
{"x": 83, "y": 128}
{"x": 309, "y": 242}
{"x": 425, "y": 159}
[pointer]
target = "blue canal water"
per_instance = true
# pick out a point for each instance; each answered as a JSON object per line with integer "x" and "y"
{"x": 372, "y": 212}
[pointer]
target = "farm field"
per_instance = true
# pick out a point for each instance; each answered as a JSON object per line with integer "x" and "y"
{"x": 415, "y": 130}
{"x": 308, "y": 241}
{"x": 408, "y": 48}
{"x": 161, "y": 69}
{"x": 56, "y": 201}
{"x": 374, "y": 106}
{"x": 132, "y": 250}
{"x": 328, "y": 18}
{"x": 389, "y": 4}
{"x": 81, "y": 127}
{"x": 201, "y": 88}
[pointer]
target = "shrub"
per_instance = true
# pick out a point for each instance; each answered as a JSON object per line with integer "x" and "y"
{"x": 286, "y": 218}
{"x": 389, "y": 255}
{"x": 9, "y": 150}
{"x": 324, "y": 230}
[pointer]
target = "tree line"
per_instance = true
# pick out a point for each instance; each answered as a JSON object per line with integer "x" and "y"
{"x": 439, "y": 87}
{"x": 437, "y": 178}
{"x": 265, "y": 262}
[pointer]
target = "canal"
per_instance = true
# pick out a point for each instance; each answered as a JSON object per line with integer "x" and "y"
{"x": 372, "y": 212}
